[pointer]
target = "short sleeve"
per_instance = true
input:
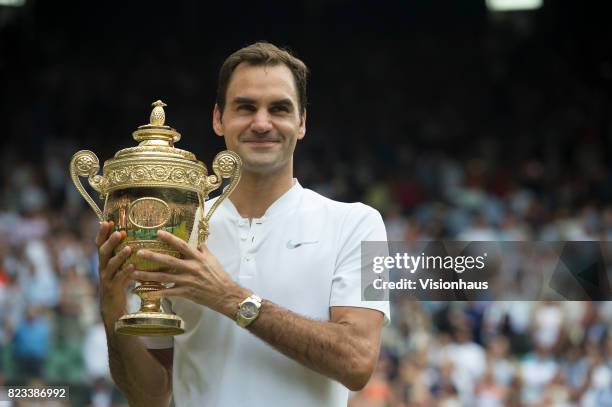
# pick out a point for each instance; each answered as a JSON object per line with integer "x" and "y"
{"x": 361, "y": 224}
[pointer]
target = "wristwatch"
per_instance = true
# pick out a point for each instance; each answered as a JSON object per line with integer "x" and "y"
{"x": 248, "y": 310}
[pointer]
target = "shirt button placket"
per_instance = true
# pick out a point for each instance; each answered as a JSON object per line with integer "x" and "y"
{"x": 243, "y": 233}
{"x": 250, "y": 243}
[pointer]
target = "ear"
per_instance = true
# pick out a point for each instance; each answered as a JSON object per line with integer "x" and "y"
{"x": 217, "y": 124}
{"x": 302, "y": 130}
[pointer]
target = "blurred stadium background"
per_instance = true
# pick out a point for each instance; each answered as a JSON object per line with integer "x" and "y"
{"x": 454, "y": 120}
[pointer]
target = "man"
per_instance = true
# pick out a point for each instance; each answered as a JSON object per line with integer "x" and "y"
{"x": 272, "y": 302}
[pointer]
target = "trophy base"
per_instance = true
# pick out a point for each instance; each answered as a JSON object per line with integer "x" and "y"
{"x": 150, "y": 324}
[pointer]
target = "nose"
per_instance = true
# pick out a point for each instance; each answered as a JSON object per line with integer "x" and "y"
{"x": 261, "y": 122}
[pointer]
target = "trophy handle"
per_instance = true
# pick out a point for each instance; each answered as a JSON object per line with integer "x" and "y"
{"x": 227, "y": 164}
{"x": 84, "y": 163}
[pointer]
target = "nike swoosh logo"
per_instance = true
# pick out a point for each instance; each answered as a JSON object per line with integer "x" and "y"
{"x": 291, "y": 245}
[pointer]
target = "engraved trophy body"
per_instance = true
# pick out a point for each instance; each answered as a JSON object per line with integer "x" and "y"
{"x": 149, "y": 187}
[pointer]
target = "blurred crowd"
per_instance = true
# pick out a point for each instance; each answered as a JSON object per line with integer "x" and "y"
{"x": 514, "y": 353}
{"x": 493, "y": 134}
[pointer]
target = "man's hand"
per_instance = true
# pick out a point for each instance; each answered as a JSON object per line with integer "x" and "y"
{"x": 198, "y": 276}
{"x": 113, "y": 281}
{"x": 141, "y": 377}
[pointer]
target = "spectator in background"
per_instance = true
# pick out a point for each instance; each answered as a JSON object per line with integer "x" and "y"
{"x": 447, "y": 384}
{"x": 101, "y": 393}
{"x": 76, "y": 305}
{"x": 40, "y": 284}
{"x": 98, "y": 376}
{"x": 468, "y": 362}
{"x": 95, "y": 354}
{"x": 537, "y": 370}
{"x": 12, "y": 301}
{"x": 498, "y": 361}
{"x": 4, "y": 305}
{"x": 548, "y": 325}
{"x": 31, "y": 343}
{"x": 3, "y": 394}
{"x": 598, "y": 386}
{"x": 489, "y": 392}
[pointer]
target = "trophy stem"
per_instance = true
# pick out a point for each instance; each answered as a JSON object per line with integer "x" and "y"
{"x": 150, "y": 320}
{"x": 147, "y": 305}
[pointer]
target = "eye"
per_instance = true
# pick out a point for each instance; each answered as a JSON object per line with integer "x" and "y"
{"x": 279, "y": 109}
{"x": 246, "y": 108}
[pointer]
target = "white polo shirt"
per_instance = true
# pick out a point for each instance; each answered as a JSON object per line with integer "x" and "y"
{"x": 304, "y": 254}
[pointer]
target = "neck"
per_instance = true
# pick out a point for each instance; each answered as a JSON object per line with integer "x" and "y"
{"x": 256, "y": 192}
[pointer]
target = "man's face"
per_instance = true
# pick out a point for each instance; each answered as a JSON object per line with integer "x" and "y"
{"x": 261, "y": 120}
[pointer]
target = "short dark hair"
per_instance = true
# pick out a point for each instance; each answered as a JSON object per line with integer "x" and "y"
{"x": 258, "y": 54}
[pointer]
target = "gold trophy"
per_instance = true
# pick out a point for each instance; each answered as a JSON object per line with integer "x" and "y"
{"x": 149, "y": 187}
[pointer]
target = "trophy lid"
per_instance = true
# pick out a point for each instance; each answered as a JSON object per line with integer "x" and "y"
{"x": 154, "y": 163}
{"x": 156, "y": 137}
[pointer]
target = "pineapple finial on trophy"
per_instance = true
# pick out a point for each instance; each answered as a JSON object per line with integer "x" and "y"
{"x": 156, "y": 132}
{"x": 158, "y": 116}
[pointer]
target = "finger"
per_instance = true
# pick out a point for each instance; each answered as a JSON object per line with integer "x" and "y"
{"x": 207, "y": 257}
{"x": 106, "y": 250}
{"x": 166, "y": 292}
{"x": 170, "y": 261}
{"x": 162, "y": 277}
{"x": 105, "y": 228}
{"x": 102, "y": 232}
{"x": 123, "y": 276}
{"x": 178, "y": 244}
{"x": 116, "y": 261}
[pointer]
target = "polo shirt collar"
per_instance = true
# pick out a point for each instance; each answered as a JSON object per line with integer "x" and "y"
{"x": 285, "y": 203}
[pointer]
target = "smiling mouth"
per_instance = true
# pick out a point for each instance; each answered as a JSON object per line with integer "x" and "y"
{"x": 261, "y": 141}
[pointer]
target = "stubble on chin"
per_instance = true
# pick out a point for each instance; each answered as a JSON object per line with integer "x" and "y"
{"x": 263, "y": 166}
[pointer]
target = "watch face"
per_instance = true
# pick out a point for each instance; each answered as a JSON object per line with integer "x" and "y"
{"x": 248, "y": 310}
